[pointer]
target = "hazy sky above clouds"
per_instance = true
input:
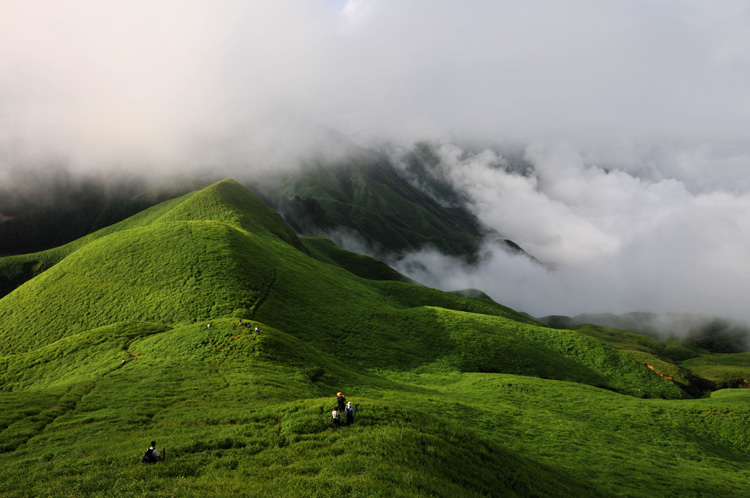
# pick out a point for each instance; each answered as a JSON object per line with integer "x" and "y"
{"x": 91, "y": 79}
{"x": 635, "y": 115}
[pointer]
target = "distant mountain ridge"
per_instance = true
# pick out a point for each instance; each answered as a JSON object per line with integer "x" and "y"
{"x": 712, "y": 333}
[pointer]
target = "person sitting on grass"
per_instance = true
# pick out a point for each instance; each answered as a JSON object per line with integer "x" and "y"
{"x": 152, "y": 454}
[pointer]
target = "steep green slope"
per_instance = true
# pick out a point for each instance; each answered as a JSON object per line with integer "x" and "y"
{"x": 367, "y": 196}
{"x": 110, "y": 348}
{"x": 15, "y": 270}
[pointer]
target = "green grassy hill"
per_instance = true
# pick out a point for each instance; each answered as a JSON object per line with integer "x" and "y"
{"x": 726, "y": 370}
{"x": 108, "y": 347}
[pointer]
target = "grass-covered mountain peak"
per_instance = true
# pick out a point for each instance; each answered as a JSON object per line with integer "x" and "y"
{"x": 229, "y": 202}
{"x": 195, "y": 258}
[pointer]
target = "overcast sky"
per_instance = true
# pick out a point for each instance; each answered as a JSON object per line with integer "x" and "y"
{"x": 635, "y": 115}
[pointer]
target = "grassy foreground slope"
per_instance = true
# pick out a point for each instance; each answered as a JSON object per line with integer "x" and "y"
{"x": 109, "y": 348}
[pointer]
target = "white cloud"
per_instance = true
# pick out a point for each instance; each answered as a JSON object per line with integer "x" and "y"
{"x": 141, "y": 79}
{"x": 614, "y": 242}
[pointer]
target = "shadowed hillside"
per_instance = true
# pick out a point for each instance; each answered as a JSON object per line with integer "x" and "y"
{"x": 366, "y": 196}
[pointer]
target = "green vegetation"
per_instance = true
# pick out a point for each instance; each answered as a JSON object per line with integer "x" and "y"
{"x": 726, "y": 370}
{"x": 108, "y": 347}
{"x": 366, "y": 196}
{"x": 663, "y": 357}
{"x": 15, "y": 270}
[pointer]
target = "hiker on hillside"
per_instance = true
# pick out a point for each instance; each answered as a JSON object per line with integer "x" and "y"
{"x": 336, "y": 418}
{"x": 151, "y": 455}
{"x": 340, "y": 402}
{"x": 350, "y": 411}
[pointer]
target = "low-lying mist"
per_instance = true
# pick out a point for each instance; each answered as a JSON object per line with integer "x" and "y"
{"x": 609, "y": 239}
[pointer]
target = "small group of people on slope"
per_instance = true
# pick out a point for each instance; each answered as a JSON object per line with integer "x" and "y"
{"x": 247, "y": 326}
{"x": 343, "y": 407}
{"x": 241, "y": 324}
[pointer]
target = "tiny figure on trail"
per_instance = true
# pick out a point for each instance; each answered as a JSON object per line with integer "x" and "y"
{"x": 350, "y": 411}
{"x": 340, "y": 402}
{"x": 151, "y": 455}
{"x": 336, "y": 418}
{"x": 208, "y": 326}
{"x": 257, "y": 331}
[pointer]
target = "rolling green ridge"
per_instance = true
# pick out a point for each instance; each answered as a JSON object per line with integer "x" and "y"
{"x": 726, "y": 370}
{"x": 15, "y": 270}
{"x": 49, "y": 207}
{"x": 108, "y": 346}
{"x": 41, "y": 210}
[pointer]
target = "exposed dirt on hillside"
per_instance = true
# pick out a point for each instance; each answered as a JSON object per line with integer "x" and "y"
{"x": 665, "y": 376}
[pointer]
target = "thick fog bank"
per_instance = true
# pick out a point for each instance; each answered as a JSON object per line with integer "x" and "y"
{"x": 612, "y": 237}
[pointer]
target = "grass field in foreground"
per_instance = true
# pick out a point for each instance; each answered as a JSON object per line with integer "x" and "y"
{"x": 240, "y": 414}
